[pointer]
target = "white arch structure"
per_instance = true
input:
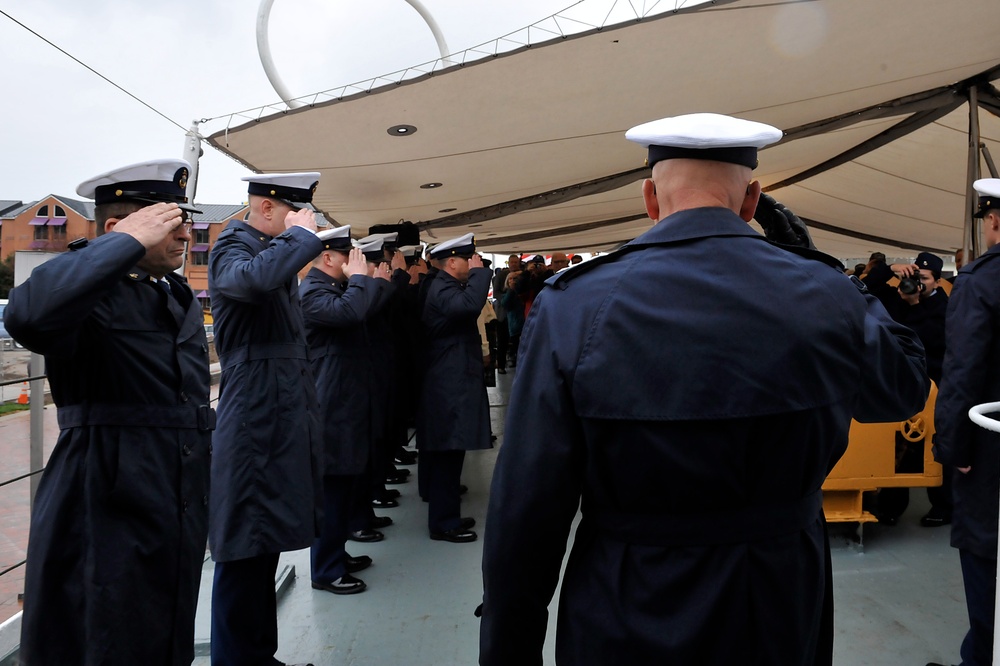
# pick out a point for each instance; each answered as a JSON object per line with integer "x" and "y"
{"x": 264, "y": 46}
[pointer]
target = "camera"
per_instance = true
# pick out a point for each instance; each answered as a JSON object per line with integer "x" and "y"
{"x": 911, "y": 285}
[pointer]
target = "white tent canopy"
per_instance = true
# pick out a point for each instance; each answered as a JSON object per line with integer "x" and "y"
{"x": 526, "y": 148}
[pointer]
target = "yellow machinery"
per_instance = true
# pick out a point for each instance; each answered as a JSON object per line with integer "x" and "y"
{"x": 870, "y": 463}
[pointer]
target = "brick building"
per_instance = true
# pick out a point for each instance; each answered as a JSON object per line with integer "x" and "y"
{"x": 49, "y": 224}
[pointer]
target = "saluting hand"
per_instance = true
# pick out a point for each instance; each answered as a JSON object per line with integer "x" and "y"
{"x": 301, "y": 218}
{"x": 398, "y": 261}
{"x": 356, "y": 264}
{"x": 151, "y": 224}
{"x": 383, "y": 272}
{"x": 476, "y": 261}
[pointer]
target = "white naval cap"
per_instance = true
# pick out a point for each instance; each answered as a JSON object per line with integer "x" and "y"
{"x": 338, "y": 238}
{"x": 704, "y": 136}
{"x": 463, "y": 246}
{"x": 988, "y": 190}
{"x": 154, "y": 181}
{"x": 294, "y": 189}
{"x": 409, "y": 250}
{"x": 372, "y": 250}
{"x": 388, "y": 239}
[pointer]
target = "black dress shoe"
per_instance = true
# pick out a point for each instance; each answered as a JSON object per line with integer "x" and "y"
{"x": 405, "y": 457}
{"x": 366, "y": 536}
{"x": 391, "y": 493}
{"x": 398, "y": 478}
{"x": 359, "y": 563}
{"x": 457, "y": 535}
{"x": 346, "y": 584}
{"x": 384, "y": 503}
{"x": 467, "y": 523}
{"x": 378, "y": 522}
{"x": 936, "y": 518}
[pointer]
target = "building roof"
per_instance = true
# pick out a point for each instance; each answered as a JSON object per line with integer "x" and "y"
{"x": 84, "y": 208}
{"x": 216, "y": 212}
{"x": 210, "y": 212}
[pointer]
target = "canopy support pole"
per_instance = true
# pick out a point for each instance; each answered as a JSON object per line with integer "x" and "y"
{"x": 971, "y": 241}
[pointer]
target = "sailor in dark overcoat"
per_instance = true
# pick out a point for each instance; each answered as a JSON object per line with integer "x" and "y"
{"x": 337, "y": 298}
{"x": 454, "y": 412}
{"x": 120, "y": 519}
{"x": 971, "y": 377}
{"x": 692, "y": 390}
{"x": 267, "y": 468}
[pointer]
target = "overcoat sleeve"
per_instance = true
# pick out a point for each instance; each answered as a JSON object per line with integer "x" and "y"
{"x": 969, "y": 330}
{"x": 467, "y": 301}
{"x": 321, "y": 307}
{"x": 48, "y": 311}
{"x": 896, "y": 384}
{"x": 237, "y": 273}
{"x": 533, "y": 506}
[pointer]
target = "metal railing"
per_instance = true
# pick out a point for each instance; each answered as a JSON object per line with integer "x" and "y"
{"x": 36, "y": 402}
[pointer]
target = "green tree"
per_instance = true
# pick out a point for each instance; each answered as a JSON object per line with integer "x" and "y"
{"x": 6, "y": 275}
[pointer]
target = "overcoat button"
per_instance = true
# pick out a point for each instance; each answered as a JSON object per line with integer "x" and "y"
{"x": 204, "y": 500}
{"x": 184, "y": 505}
{"x": 186, "y": 450}
{"x": 184, "y": 396}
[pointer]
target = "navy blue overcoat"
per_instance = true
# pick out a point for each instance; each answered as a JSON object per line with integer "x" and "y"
{"x": 454, "y": 412}
{"x": 972, "y": 376}
{"x": 267, "y": 466}
{"x": 335, "y": 316}
{"x": 121, "y": 515}
{"x": 690, "y": 394}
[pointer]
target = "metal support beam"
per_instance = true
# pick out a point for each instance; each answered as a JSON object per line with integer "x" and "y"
{"x": 538, "y": 200}
{"x": 971, "y": 240}
{"x": 902, "y": 128}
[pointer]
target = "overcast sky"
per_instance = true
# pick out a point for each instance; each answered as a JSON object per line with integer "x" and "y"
{"x": 193, "y": 59}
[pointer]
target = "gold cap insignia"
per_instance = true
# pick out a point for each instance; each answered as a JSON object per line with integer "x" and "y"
{"x": 134, "y": 276}
{"x": 118, "y": 193}
{"x": 183, "y": 181}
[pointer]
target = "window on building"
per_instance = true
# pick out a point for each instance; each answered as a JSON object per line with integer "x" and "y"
{"x": 42, "y": 212}
{"x": 59, "y": 212}
{"x": 59, "y": 233}
{"x": 199, "y": 258}
{"x": 41, "y": 233}
{"x": 201, "y": 236}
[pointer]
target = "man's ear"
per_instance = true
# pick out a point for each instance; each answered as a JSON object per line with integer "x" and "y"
{"x": 266, "y": 208}
{"x": 109, "y": 224}
{"x": 649, "y": 198}
{"x": 750, "y": 200}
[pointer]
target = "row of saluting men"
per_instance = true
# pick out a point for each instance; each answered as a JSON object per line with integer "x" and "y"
{"x": 123, "y": 506}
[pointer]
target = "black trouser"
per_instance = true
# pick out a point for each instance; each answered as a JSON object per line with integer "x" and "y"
{"x": 503, "y": 341}
{"x": 328, "y": 556}
{"x": 443, "y": 470}
{"x": 515, "y": 342}
{"x": 245, "y": 612}
{"x": 980, "y": 577}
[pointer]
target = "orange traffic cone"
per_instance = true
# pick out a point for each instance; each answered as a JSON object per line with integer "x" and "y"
{"x": 23, "y": 398}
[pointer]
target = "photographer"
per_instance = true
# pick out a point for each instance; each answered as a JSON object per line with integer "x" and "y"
{"x": 921, "y": 307}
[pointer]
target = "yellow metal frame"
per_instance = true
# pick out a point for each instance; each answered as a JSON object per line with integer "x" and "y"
{"x": 870, "y": 463}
